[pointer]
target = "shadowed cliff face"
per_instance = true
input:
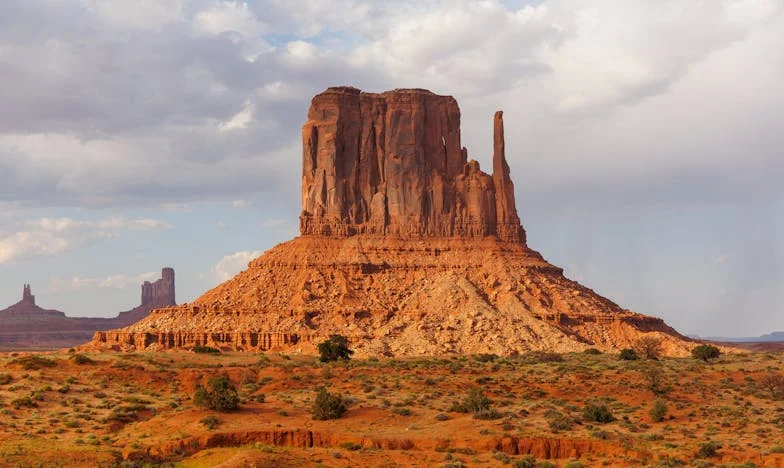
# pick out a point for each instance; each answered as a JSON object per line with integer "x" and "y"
{"x": 392, "y": 164}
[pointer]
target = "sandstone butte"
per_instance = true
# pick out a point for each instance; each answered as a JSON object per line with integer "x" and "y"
{"x": 25, "y": 325}
{"x": 406, "y": 247}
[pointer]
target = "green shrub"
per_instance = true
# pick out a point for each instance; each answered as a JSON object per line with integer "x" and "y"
{"x": 475, "y": 402}
{"x": 335, "y": 349}
{"x": 328, "y": 405}
{"x": 222, "y": 395}
{"x": 33, "y": 362}
{"x": 5, "y": 379}
{"x": 528, "y": 461}
{"x": 705, "y": 352}
{"x": 200, "y": 349}
{"x": 592, "y": 351}
{"x": 210, "y": 422}
{"x": 597, "y": 413}
{"x": 658, "y": 411}
{"x": 648, "y": 347}
{"x": 81, "y": 359}
{"x": 557, "y": 421}
{"x": 708, "y": 449}
{"x": 628, "y": 354}
{"x": 24, "y": 402}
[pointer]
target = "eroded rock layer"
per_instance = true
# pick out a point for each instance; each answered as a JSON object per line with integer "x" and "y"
{"x": 396, "y": 297}
{"x": 392, "y": 163}
{"x": 407, "y": 248}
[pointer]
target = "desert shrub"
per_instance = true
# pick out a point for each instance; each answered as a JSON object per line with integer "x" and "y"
{"x": 402, "y": 411}
{"x": 33, "y": 362}
{"x": 335, "y": 349}
{"x": 201, "y": 349}
{"x": 125, "y": 413}
{"x": 442, "y": 417}
{"x": 222, "y": 395}
{"x": 658, "y": 411}
{"x": 628, "y": 354}
{"x": 648, "y": 347}
{"x": 528, "y": 461}
{"x": 574, "y": 464}
{"x": 542, "y": 356}
{"x": 260, "y": 398}
{"x": 592, "y": 351}
{"x": 24, "y": 402}
{"x": 708, "y": 449}
{"x": 558, "y": 422}
{"x": 328, "y": 405}
{"x": 351, "y": 446}
{"x": 774, "y": 384}
{"x": 655, "y": 380}
{"x": 210, "y": 422}
{"x": 81, "y": 359}
{"x": 476, "y": 403}
{"x": 5, "y": 379}
{"x": 705, "y": 352}
{"x": 597, "y": 413}
{"x": 485, "y": 357}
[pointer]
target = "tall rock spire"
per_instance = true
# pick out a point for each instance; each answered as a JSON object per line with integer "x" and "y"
{"x": 508, "y": 222}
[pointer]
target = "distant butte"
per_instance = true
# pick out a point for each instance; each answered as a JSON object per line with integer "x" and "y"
{"x": 25, "y": 325}
{"x": 406, "y": 247}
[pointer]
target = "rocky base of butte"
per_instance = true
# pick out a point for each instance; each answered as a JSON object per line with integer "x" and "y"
{"x": 407, "y": 248}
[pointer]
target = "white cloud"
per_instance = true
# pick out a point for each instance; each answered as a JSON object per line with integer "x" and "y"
{"x": 138, "y": 14}
{"x": 230, "y": 265}
{"x": 240, "y": 204}
{"x": 52, "y": 236}
{"x": 58, "y": 285}
{"x": 240, "y": 120}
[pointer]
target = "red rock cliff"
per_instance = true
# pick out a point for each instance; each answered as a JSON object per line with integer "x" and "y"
{"x": 392, "y": 164}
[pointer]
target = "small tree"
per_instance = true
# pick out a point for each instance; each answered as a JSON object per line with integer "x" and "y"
{"x": 628, "y": 354}
{"x": 597, "y": 413}
{"x": 649, "y": 347}
{"x": 658, "y": 411}
{"x": 774, "y": 383}
{"x": 335, "y": 349}
{"x": 328, "y": 405}
{"x": 655, "y": 378}
{"x": 705, "y": 352}
{"x": 222, "y": 395}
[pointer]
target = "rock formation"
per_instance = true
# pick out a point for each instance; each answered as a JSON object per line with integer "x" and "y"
{"x": 392, "y": 164}
{"x": 406, "y": 247}
{"x": 24, "y": 325}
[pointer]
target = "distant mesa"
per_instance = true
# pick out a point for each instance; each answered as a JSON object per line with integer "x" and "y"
{"x": 25, "y": 325}
{"x": 406, "y": 247}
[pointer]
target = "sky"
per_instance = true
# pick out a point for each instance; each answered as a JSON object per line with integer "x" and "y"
{"x": 644, "y": 138}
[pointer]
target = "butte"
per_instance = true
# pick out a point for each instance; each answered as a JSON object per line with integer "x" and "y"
{"x": 406, "y": 247}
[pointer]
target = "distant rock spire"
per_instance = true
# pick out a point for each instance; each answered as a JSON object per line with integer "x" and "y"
{"x": 27, "y": 295}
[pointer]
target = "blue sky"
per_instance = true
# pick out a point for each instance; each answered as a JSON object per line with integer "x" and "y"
{"x": 644, "y": 140}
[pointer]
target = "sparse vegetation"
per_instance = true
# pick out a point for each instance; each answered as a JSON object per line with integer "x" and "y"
{"x": 658, "y": 410}
{"x": 709, "y": 449}
{"x": 210, "y": 422}
{"x": 648, "y": 347}
{"x": 335, "y": 349}
{"x": 202, "y": 349}
{"x": 81, "y": 359}
{"x": 328, "y": 405}
{"x": 597, "y": 413}
{"x": 221, "y": 396}
{"x": 34, "y": 362}
{"x": 705, "y": 352}
{"x": 628, "y": 354}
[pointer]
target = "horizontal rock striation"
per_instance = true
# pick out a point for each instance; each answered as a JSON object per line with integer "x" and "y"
{"x": 393, "y": 164}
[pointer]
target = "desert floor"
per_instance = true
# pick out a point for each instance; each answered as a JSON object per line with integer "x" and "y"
{"x": 68, "y": 409}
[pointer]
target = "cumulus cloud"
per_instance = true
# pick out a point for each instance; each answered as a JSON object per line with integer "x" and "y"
{"x": 230, "y": 265}
{"x": 52, "y": 236}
